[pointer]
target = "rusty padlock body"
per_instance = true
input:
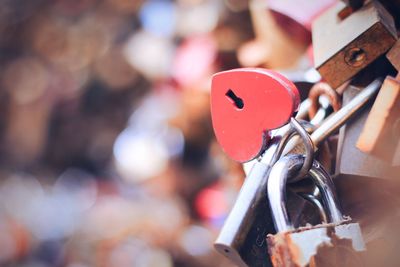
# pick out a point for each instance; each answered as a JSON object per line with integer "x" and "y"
{"x": 345, "y": 46}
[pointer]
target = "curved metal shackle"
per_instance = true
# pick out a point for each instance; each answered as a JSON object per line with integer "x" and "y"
{"x": 309, "y": 148}
{"x": 313, "y": 200}
{"x": 319, "y": 89}
{"x": 253, "y": 192}
{"x": 286, "y": 168}
{"x": 281, "y": 139}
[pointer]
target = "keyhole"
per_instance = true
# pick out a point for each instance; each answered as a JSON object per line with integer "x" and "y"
{"x": 237, "y": 101}
{"x": 355, "y": 57}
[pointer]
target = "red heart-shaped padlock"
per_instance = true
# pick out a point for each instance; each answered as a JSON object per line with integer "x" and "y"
{"x": 246, "y": 104}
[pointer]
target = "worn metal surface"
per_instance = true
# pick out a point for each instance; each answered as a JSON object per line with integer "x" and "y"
{"x": 380, "y": 135}
{"x": 320, "y": 245}
{"x": 343, "y": 47}
{"x": 350, "y": 160}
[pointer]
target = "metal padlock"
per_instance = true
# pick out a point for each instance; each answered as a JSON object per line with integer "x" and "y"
{"x": 337, "y": 243}
{"x": 350, "y": 160}
{"x": 343, "y": 46}
{"x": 246, "y": 104}
{"x": 239, "y": 238}
{"x": 242, "y": 238}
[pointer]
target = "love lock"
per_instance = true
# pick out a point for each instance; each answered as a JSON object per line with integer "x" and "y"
{"x": 246, "y": 104}
{"x": 337, "y": 243}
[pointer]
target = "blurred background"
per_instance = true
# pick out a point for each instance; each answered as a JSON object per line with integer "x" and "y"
{"x": 107, "y": 154}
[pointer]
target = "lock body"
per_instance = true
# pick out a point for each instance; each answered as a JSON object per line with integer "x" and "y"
{"x": 350, "y": 160}
{"x": 242, "y": 237}
{"x": 343, "y": 46}
{"x": 246, "y": 104}
{"x": 318, "y": 246}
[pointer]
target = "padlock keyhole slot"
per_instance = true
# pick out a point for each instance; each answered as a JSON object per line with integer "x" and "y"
{"x": 355, "y": 57}
{"x": 237, "y": 101}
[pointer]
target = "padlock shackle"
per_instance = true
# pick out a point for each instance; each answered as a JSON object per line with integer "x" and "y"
{"x": 286, "y": 168}
{"x": 241, "y": 217}
{"x": 322, "y": 89}
{"x": 313, "y": 199}
{"x": 326, "y": 187}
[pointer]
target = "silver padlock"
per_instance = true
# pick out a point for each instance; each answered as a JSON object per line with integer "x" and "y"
{"x": 242, "y": 238}
{"x": 337, "y": 243}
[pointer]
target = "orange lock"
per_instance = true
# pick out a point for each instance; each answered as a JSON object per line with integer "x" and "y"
{"x": 381, "y": 133}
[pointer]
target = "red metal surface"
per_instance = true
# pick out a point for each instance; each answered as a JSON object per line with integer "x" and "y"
{"x": 246, "y": 104}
